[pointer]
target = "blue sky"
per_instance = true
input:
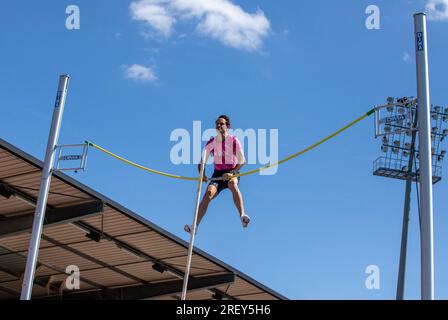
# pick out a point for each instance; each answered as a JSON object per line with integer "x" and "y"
{"x": 140, "y": 71}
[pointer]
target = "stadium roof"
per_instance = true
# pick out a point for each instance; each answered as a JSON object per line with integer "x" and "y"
{"x": 120, "y": 254}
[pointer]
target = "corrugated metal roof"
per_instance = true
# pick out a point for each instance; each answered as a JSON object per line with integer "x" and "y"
{"x": 129, "y": 245}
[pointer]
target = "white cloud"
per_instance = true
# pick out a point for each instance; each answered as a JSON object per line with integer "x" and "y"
{"x": 437, "y": 10}
{"x": 218, "y": 19}
{"x": 406, "y": 57}
{"x": 139, "y": 73}
{"x": 155, "y": 14}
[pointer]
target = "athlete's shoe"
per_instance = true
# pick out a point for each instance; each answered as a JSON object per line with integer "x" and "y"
{"x": 187, "y": 229}
{"x": 245, "y": 219}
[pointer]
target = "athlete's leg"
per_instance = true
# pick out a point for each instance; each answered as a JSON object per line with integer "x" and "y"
{"x": 209, "y": 195}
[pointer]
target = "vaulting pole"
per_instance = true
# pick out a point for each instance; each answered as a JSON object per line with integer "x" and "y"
{"x": 193, "y": 228}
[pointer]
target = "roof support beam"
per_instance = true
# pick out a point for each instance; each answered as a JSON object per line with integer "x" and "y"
{"x": 13, "y": 293}
{"x": 23, "y": 223}
{"x": 8, "y": 191}
{"x": 90, "y": 258}
{"x": 160, "y": 264}
{"x": 40, "y": 281}
{"x": 18, "y": 273}
{"x": 129, "y": 248}
{"x": 151, "y": 290}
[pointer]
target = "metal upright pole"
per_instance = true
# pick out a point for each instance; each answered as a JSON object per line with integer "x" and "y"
{"x": 407, "y": 208}
{"x": 193, "y": 227}
{"x": 39, "y": 215}
{"x": 426, "y": 228}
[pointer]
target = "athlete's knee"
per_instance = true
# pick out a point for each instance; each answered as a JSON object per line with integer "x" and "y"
{"x": 208, "y": 196}
{"x": 233, "y": 185}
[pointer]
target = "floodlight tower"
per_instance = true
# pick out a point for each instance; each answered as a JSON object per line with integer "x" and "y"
{"x": 405, "y": 160}
{"x": 401, "y": 156}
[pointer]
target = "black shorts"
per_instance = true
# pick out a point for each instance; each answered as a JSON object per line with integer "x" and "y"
{"x": 221, "y": 184}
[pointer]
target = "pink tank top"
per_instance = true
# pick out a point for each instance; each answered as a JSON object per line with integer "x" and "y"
{"x": 224, "y": 152}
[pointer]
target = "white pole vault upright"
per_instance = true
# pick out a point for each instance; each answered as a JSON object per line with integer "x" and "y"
{"x": 39, "y": 215}
{"x": 426, "y": 227}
